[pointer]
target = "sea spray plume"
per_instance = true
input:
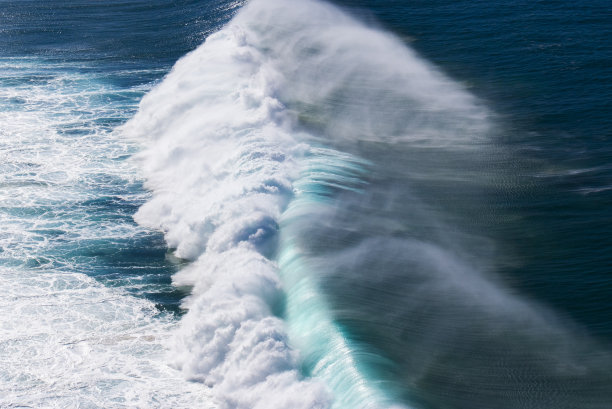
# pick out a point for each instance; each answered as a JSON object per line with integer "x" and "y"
{"x": 350, "y": 82}
{"x": 221, "y": 158}
{"x": 425, "y": 319}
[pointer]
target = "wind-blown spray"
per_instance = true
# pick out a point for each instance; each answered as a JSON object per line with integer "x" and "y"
{"x": 280, "y": 155}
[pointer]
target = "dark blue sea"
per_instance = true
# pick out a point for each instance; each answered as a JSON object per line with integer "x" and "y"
{"x": 300, "y": 204}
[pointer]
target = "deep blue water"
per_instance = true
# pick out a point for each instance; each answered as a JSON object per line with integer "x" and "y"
{"x": 440, "y": 275}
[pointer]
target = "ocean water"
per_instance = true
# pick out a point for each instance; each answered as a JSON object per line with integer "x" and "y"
{"x": 304, "y": 204}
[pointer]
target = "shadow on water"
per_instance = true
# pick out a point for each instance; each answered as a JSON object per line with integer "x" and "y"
{"x": 139, "y": 263}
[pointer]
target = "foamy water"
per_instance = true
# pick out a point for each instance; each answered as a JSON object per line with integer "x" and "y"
{"x": 67, "y": 340}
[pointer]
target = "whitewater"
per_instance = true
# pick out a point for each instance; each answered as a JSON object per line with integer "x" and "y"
{"x": 261, "y": 155}
{"x": 68, "y": 340}
{"x": 313, "y": 178}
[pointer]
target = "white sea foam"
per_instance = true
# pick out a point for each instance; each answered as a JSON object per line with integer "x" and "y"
{"x": 220, "y": 160}
{"x": 66, "y": 340}
{"x": 69, "y": 342}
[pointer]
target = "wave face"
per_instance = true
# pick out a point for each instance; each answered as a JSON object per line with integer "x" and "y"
{"x": 316, "y": 172}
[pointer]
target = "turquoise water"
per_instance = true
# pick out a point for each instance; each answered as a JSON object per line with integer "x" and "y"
{"x": 293, "y": 204}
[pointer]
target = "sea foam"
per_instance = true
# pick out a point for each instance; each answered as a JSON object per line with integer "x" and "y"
{"x": 220, "y": 159}
{"x": 66, "y": 339}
